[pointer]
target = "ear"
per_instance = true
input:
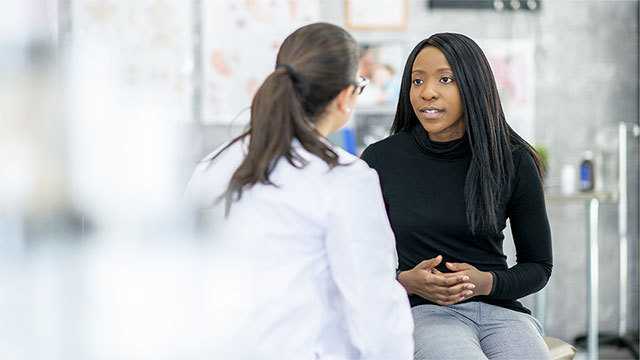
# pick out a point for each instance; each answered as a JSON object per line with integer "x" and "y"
{"x": 346, "y": 99}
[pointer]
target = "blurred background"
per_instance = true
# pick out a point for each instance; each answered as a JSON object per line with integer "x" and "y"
{"x": 107, "y": 106}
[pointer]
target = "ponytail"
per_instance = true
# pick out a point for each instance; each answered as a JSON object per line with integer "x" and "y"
{"x": 314, "y": 64}
{"x": 277, "y": 117}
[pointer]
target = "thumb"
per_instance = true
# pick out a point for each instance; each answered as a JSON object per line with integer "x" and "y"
{"x": 457, "y": 266}
{"x": 429, "y": 264}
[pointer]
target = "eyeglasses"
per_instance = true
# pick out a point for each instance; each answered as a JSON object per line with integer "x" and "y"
{"x": 360, "y": 85}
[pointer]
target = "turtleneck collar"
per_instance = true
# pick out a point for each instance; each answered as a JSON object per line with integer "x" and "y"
{"x": 453, "y": 149}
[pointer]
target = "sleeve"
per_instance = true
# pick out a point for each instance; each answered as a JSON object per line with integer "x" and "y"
{"x": 531, "y": 234}
{"x": 368, "y": 156}
{"x": 362, "y": 256}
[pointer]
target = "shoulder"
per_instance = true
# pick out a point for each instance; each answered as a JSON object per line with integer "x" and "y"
{"x": 391, "y": 144}
{"x": 326, "y": 187}
{"x": 210, "y": 176}
{"x": 351, "y": 166}
{"x": 352, "y": 175}
{"x": 519, "y": 151}
{"x": 526, "y": 176}
{"x": 226, "y": 155}
{"x": 523, "y": 160}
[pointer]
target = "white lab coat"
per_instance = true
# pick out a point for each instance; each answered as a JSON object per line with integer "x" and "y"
{"x": 305, "y": 270}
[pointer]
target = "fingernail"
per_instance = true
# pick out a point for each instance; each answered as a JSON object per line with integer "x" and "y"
{"x": 471, "y": 286}
{"x": 465, "y": 278}
{"x": 468, "y": 293}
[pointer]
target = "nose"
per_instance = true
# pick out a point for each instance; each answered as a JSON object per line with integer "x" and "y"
{"x": 428, "y": 91}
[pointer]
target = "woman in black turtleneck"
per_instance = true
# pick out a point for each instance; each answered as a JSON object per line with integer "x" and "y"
{"x": 452, "y": 173}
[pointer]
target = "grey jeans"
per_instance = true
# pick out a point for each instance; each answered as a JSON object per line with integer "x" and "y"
{"x": 475, "y": 330}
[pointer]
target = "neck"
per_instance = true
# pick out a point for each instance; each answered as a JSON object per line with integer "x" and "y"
{"x": 325, "y": 126}
{"x": 449, "y": 134}
{"x": 440, "y": 138}
{"x": 447, "y": 149}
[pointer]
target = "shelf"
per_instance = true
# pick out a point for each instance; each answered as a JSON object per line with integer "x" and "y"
{"x": 609, "y": 197}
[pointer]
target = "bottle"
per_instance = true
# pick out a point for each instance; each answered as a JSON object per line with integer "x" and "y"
{"x": 586, "y": 172}
{"x": 568, "y": 179}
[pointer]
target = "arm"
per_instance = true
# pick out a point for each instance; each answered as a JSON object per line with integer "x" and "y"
{"x": 531, "y": 234}
{"x": 361, "y": 252}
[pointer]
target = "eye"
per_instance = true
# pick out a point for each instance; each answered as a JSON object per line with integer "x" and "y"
{"x": 446, "y": 79}
{"x": 417, "y": 82}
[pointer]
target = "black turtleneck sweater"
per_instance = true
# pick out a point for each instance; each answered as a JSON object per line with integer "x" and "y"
{"x": 423, "y": 188}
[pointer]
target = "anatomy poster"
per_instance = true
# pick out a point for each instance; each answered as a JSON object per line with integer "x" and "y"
{"x": 240, "y": 44}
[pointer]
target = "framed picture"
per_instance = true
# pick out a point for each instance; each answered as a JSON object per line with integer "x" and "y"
{"x": 376, "y": 15}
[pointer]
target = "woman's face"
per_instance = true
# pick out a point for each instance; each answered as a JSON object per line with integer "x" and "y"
{"x": 435, "y": 96}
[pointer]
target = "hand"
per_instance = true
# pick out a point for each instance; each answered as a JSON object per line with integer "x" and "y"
{"x": 483, "y": 280}
{"x": 427, "y": 282}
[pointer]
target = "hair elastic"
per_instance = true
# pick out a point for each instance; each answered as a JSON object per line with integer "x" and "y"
{"x": 290, "y": 71}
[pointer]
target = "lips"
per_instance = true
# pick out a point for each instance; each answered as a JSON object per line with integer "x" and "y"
{"x": 432, "y": 112}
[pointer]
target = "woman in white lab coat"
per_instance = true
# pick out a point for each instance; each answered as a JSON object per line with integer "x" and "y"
{"x": 303, "y": 258}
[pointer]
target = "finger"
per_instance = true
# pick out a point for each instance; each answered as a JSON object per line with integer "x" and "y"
{"x": 452, "y": 300}
{"x": 457, "y": 266}
{"x": 446, "y": 303}
{"x": 445, "y": 293}
{"x": 430, "y": 263}
{"x": 457, "y": 300}
{"x": 443, "y": 300}
{"x": 450, "y": 279}
{"x": 459, "y": 275}
{"x": 460, "y": 288}
{"x": 466, "y": 294}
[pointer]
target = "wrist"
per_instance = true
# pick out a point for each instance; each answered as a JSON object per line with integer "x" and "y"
{"x": 401, "y": 278}
{"x": 487, "y": 285}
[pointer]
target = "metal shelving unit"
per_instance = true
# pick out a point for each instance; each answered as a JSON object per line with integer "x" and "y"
{"x": 592, "y": 201}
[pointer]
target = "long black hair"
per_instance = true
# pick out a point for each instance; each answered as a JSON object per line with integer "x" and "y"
{"x": 490, "y": 137}
{"x": 313, "y": 65}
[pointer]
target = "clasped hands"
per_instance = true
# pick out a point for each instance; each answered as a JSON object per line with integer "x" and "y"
{"x": 464, "y": 282}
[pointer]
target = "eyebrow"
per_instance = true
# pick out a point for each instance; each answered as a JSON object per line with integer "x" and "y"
{"x": 438, "y": 69}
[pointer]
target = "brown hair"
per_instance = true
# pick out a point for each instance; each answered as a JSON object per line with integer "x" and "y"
{"x": 313, "y": 65}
